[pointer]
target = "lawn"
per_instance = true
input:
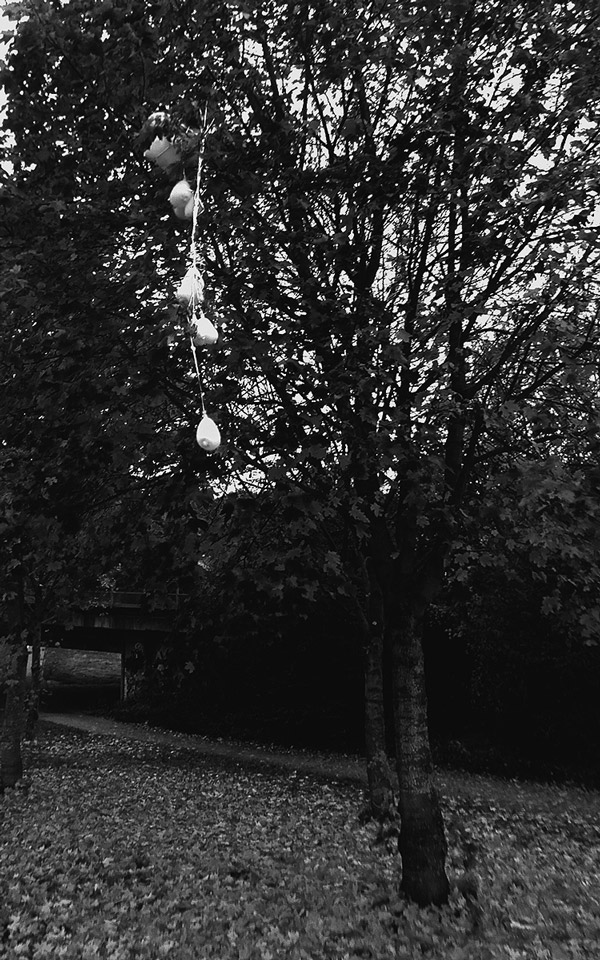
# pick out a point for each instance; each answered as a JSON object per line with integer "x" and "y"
{"x": 133, "y": 851}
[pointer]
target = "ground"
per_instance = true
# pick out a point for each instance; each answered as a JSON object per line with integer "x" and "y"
{"x": 131, "y": 844}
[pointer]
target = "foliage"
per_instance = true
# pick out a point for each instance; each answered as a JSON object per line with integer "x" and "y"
{"x": 522, "y": 606}
{"x": 535, "y": 525}
{"x": 6, "y": 660}
{"x": 402, "y": 266}
{"x": 89, "y": 431}
{"x": 118, "y": 849}
{"x": 261, "y": 680}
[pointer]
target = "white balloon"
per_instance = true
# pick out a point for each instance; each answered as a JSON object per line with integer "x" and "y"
{"x": 162, "y": 152}
{"x": 181, "y": 194}
{"x": 189, "y": 209}
{"x": 203, "y": 331}
{"x": 191, "y": 288}
{"x": 207, "y": 435}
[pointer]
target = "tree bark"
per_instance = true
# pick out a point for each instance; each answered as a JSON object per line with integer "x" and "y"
{"x": 379, "y": 774}
{"x": 371, "y": 618}
{"x": 11, "y": 735}
{"x": 422, "y": 841}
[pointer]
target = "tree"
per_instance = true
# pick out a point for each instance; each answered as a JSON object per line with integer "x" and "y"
{"x": 398, "y": 238}
{"x": 80, "y": 493}
{"x": 404, "y": 201}
{"x": 522, "y": 606}
{"x": 80, "y": 447}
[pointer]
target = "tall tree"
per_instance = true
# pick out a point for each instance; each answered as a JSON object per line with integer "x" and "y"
{"x": 88, "y": 443}
{"x": 398, "y": 238}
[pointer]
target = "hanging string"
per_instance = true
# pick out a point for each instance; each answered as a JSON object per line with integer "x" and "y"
{"x": 200, "y": 386}
{"x": 191, "y": 288}
{"x": 207, "y": 433}
{"x": 197, "y": 202}
{"x": 194, "y": 252}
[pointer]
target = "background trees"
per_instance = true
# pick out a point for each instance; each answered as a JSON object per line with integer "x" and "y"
{"x": 400, "y": 246}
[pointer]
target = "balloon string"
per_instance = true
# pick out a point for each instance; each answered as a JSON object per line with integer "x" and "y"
{"x": 196, "y": 207}
{"x": 194, "y": 253}
{"x": 193, "y": 247}
{"x": 201, "y": 388}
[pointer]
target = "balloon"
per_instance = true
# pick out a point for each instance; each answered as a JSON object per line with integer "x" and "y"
{"x": 203, "y": 331}
{"x": 191, "y": 288}
{"x": 181, "y": 194}
{"x": 189, "y": 209}
{"x": 207, "y": 435}
{"x": 162, "y": 152}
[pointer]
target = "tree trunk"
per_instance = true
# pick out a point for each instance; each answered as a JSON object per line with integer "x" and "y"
{"x": 11, "y": 735}
{"x": 422, "y": 841}
{"x": 379, "y": 774}
{"x": 33, "y": 703}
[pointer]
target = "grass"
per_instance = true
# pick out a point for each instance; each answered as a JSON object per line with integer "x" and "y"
{"x": 131, "y": 850}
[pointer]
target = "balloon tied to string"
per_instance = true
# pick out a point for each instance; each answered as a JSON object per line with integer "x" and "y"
{"x": 187, "y": 205}
{"x": 207, "y": 432}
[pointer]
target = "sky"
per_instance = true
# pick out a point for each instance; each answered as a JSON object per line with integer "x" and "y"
{"x": 5, "y": 24}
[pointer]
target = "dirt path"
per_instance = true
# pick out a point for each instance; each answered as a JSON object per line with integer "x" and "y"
{"x": 513, "y": 795}
{"x": 340, "y": 767}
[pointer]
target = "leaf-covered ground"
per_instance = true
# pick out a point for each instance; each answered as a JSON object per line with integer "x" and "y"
{"x": 124, "y": 850}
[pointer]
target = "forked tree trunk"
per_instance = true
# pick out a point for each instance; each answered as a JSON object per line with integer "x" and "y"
{"x": 422, "y": 841}
{"x": 379, "y": 774}
{"x": 11, "y": 735}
